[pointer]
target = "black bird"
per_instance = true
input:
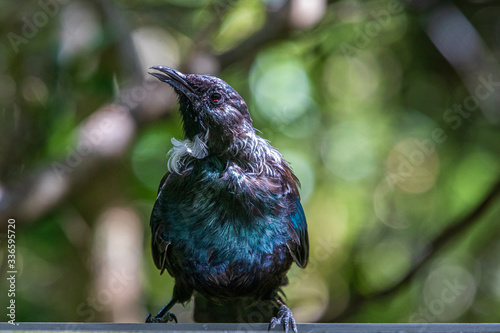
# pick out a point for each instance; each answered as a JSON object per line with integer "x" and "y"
{"x": 227, "y": 223}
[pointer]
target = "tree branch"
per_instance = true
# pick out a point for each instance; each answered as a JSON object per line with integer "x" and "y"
{"x": 470, "y": 60}
{"x": 39, "y": 192}
{"x": 453, "y": 230}
{"x": 104, "y": 136}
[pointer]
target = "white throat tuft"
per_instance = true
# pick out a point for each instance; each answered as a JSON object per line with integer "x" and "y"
{"x": 196, "y": 148}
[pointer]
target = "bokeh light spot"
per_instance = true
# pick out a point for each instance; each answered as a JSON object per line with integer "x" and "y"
{"x": 413, "y": 165}
{"x": 280, "y": 86}
{"x": 348, "y": 151}
{"x": 448, "y": 291}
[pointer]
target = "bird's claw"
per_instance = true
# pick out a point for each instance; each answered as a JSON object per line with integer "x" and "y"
{"x": 285, "y": 316}
{"x": 169, "y": 316}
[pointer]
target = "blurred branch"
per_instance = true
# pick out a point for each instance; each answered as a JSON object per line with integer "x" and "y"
{"x": 120, "y": 29}
{"x": 453, "y": 230}
{"x": 461, "y": 45}
{"x": 104, "y": 136}
{"x": 39, "y": 192}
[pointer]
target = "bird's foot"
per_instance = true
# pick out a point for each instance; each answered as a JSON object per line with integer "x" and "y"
{"x": 285, "y": 317}
{"x": 169, "y": 316}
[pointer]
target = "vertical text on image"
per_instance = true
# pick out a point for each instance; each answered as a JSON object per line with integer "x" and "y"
{"x": 11, "y": 273}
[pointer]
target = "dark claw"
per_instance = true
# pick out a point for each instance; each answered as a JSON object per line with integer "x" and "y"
{"x": 285, "y": 316}
{"x": 169, "y": 316}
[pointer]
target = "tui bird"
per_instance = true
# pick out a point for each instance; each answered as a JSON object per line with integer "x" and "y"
{"x": 227, "y": 223}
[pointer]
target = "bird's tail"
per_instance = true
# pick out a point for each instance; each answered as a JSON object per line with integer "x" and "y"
{"x": 233, "y": 311}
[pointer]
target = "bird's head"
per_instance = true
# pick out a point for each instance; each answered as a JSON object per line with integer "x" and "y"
{"x": 208, "y": 105}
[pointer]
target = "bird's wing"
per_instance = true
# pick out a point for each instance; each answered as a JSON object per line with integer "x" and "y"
{"x": 159, "y": 239}
{"x": 159, "y": 248}
{"x": 299, "y": 238}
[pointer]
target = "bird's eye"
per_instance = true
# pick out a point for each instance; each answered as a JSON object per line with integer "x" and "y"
{"x": 216, "y": 98}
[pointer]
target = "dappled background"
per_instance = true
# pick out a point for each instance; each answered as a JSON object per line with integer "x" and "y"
{"x": 388, "y": 111}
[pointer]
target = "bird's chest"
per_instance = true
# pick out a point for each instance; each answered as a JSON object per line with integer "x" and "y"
{"x": 227, "y": 210}
{"x": 227, "y": 231}
{"x": 226, "y": 262}
{"x": 215, "y": 230}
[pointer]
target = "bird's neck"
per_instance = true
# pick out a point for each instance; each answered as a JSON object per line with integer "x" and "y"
{"x": 255, "y": 154}
{"x": 246, "y": 149}
{"x": 182, "y": 151}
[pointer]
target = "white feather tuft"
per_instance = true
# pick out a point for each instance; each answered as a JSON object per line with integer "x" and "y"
{"x": 196, "y": 148}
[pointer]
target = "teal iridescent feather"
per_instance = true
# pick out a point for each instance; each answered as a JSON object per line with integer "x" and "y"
{"x": 228, "y": 222}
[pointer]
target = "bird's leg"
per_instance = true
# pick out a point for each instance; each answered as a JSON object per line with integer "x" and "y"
{"x": 164, "y": 316}
{"x": 284, "y": 316}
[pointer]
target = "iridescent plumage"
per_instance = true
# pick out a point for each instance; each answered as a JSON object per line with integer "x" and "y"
{"x": 227, "y": 223}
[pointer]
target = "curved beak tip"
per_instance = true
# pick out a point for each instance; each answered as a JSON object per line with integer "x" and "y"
{"x": 173, "y": 77}
{"x": 157, "y": 67}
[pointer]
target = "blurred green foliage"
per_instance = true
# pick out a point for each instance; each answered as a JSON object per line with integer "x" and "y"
{"x": 353, "y": 107}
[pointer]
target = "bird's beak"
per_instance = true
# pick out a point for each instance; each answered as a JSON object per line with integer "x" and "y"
{"x": 176, "y": 79}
